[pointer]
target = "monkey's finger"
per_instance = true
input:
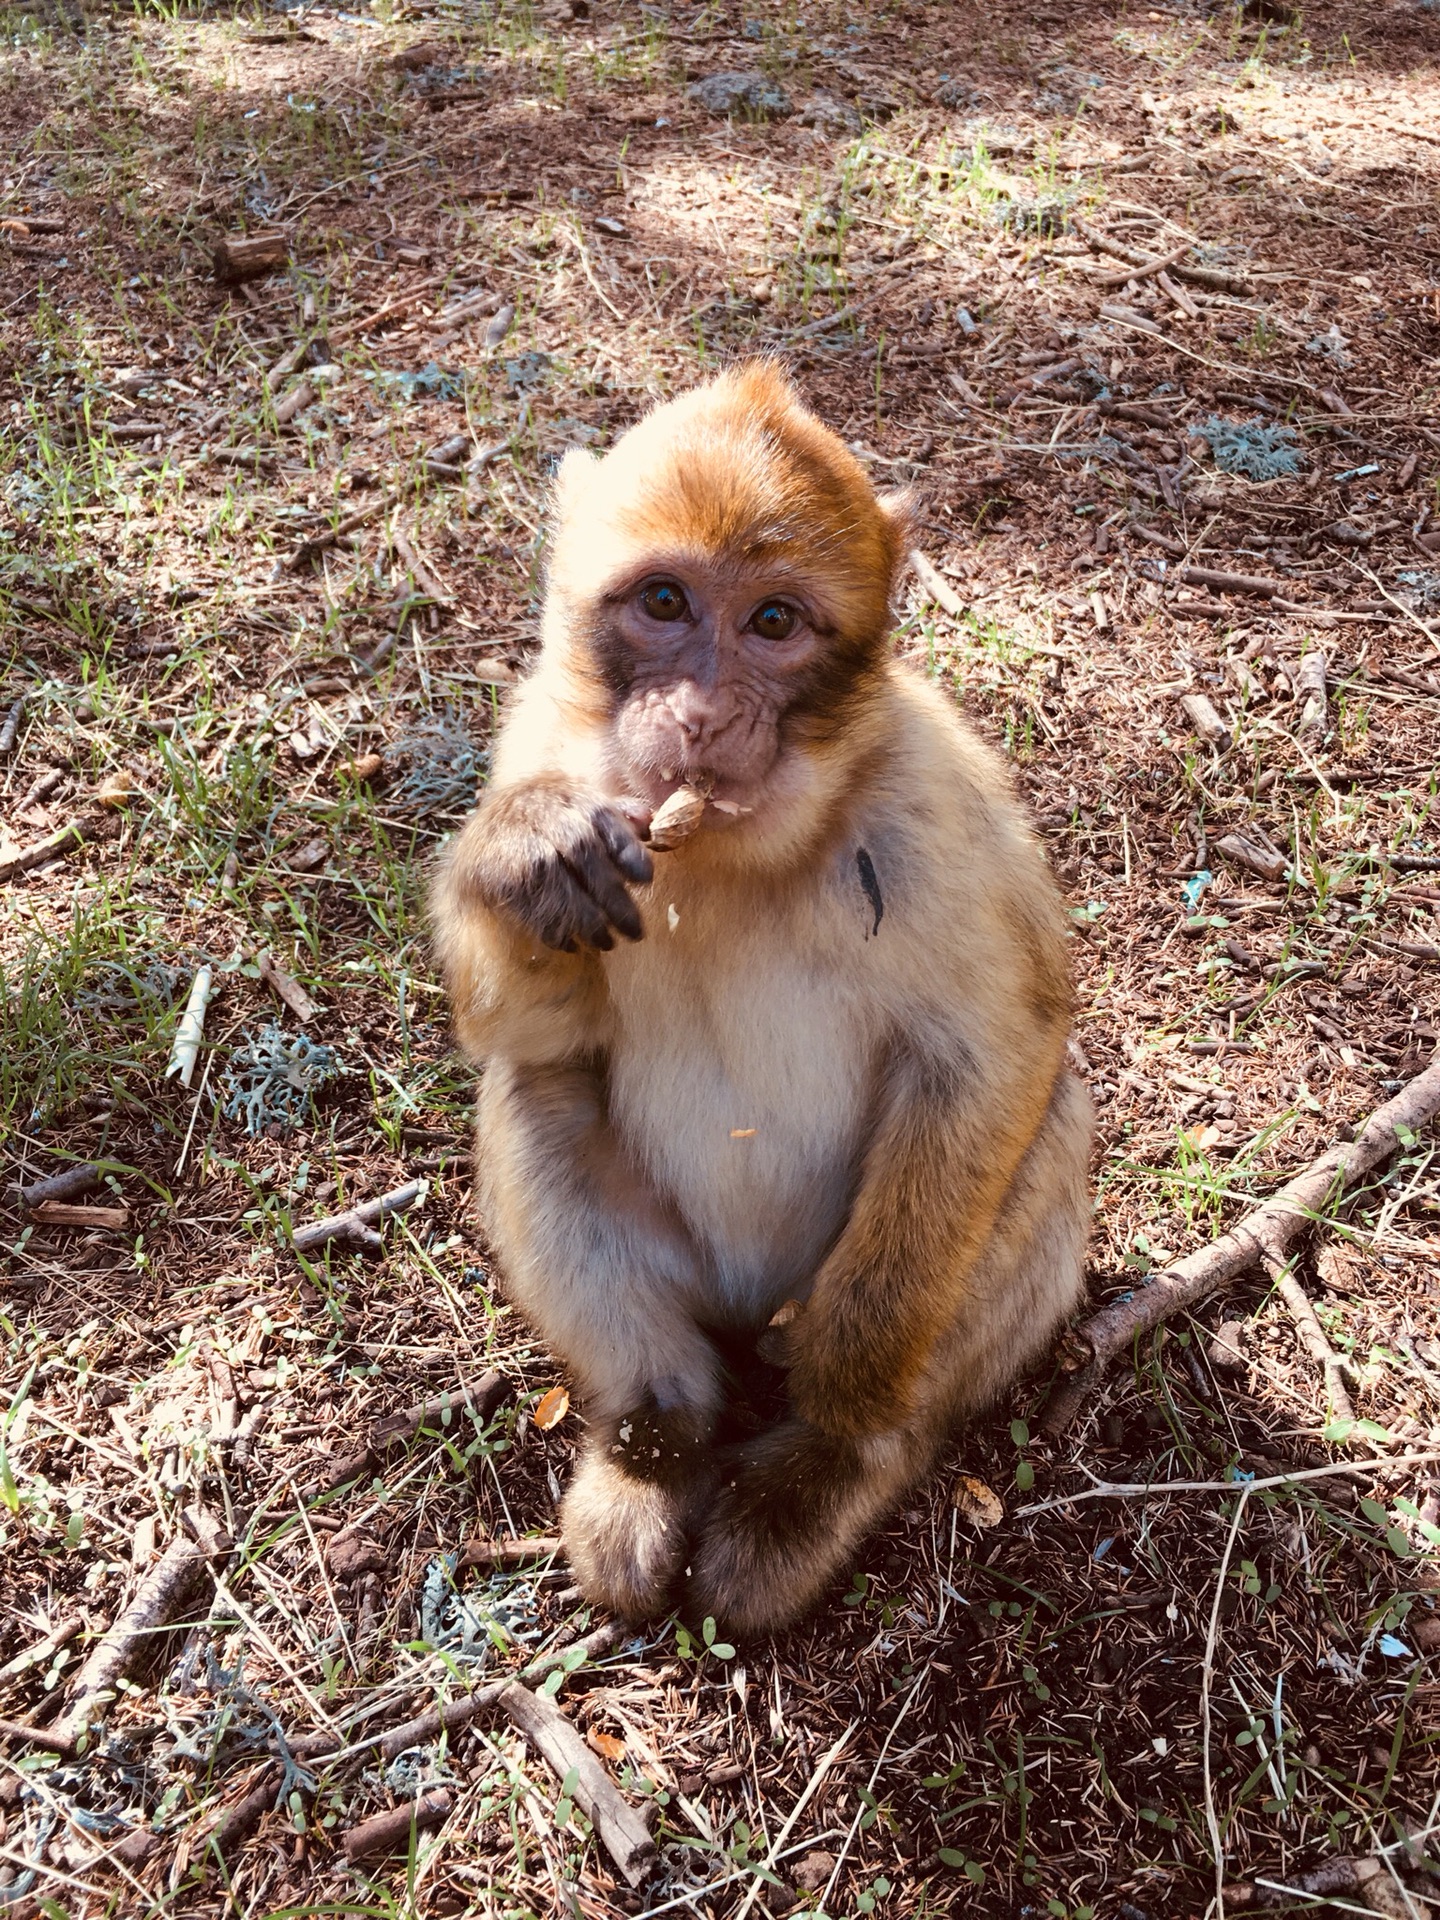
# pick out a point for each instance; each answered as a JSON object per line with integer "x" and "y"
{"x": 624, "y": 847}
{"x": 594, "y": 868}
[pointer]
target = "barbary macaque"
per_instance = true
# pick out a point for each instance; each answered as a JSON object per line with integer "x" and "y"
{"x": 803, "y": 1065}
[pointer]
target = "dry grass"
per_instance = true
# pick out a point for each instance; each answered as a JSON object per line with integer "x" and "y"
{"x": 1007, "y": 1721}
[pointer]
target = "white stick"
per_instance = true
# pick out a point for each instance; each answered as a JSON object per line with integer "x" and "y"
{"x": 190, "y": 1030}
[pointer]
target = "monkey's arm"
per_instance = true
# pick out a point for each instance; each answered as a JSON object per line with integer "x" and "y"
{"x": 952, "y": 1127}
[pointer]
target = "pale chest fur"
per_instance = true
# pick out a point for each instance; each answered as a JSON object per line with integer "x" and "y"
{"x": 740, "y": 1083}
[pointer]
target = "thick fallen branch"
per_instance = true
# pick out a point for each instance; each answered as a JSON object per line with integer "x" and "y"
{"x": 69, "y": 1185}
{"x": 620, "y": 1828}
{"x": 159, "y": 1598}
{"x": 1269, "y": 1234}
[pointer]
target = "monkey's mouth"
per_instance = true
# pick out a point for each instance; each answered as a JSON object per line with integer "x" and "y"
{"x": 727, "y": 799}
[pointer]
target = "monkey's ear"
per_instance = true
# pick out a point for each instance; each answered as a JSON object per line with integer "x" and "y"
{"x": 572, "y": 479}
{"x": 902, "y": 509}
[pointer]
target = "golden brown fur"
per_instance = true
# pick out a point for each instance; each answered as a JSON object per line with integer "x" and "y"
{"x": 830, "y": 1071}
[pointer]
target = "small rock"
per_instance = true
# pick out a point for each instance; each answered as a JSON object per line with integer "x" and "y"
{"x": 136, "y": 1848}
{"x": 814, "y": 1870}
{"x": 828, "y": 115}
{"x": 607, "y": 223}
{"x": 954, "y": 93}
{"x": 1226, "y": 1351}
{"x": 429, "y": 53}
{"x": 1424, "y": 1630}
{"x": 749, "y": 93}
{"x": 354, "y": 1553}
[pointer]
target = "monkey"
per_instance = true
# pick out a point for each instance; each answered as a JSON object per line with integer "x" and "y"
{"x": 805, "y": 1067}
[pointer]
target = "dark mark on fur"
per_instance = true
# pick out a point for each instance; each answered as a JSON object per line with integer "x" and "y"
{"x": 871, "y": 885}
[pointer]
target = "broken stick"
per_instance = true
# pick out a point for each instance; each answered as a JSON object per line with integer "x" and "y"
{"x": 358, "y": 1223}
{"x": 1271, "y": 1232}
{"x": 620, "y": 1828}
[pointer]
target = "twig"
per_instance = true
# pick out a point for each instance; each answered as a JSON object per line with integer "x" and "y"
{"x": 10, "y": 727}
{"x": 63, "y": 840}
{"x": 41, "y": 1649}
{"x": 1271, "y": 1230}
{"x": 1198, "y": 276}
{"x": 388, "y": 1832}
{"x": 937, "y": 586}
{"x": 620, "y": 1828}
{"x": 50, "y": 1739}
{"x": 455, "y": 1714}
{"x": 235, "y": 1826}
{"x": 1311, "y": 1333}
{"x": 1143, "y": 1489}
{"x": 286, "y": 988}
{"x": 395, "y": 1432}
{"x": 509, "y": 1553}
{"x": 1217, "y": 1843}
{"x": 357, "y": 1223}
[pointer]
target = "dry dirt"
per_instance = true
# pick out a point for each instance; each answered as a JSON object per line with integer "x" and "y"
{"x": 1015, "y": 1718}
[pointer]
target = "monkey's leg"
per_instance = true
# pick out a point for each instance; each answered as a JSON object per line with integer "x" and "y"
{"x": 611, "y": 1280}
{"x": 794, "y": 1504}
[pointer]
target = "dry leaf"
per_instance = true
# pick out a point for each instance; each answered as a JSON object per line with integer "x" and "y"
{"x": 116, "y": 789}
{"x": 977, "y": 1503}
{"x": 552, "y": 1409}
{"x": 607, "y": 1746}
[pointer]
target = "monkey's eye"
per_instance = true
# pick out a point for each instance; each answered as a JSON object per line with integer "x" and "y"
{"x": 664, "y": 601}
{"x": 774, "y": 621}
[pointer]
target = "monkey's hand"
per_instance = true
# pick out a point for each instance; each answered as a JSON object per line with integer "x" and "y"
{"x": 792, "y": 1506}
{"x": 627, "y": 1513}
{"x": 560, "y": 862}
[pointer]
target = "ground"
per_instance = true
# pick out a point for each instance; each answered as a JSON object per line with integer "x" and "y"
{"x": 262, "y": 630}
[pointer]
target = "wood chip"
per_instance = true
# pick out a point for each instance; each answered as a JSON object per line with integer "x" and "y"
{"x": 286, "y": 988}
{"x": 1200, "y": 711}
{"x": 63, "y": 1213}
{"x": 241, "y": 256}
{"x": 1268, "y": 862}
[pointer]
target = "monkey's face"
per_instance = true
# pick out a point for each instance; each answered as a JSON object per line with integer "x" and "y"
{"x": 706, "y": 660}
{"x": 719, "y": 593}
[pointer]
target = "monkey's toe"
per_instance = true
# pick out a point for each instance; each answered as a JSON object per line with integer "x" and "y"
{"x": 783, "y": 1521}
{"x": 626, "y": 1539}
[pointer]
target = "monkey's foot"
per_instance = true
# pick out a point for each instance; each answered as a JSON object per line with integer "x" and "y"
{"x": 626, "y": 1515}
{"x": 791, "y": 1508}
